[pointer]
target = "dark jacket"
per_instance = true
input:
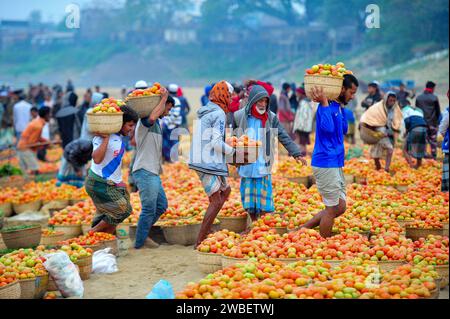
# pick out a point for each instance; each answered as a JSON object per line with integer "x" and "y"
{"x": 273, "y": 125}
{"x": 429, "y": 104}
{"x": 414, "y": 121}
{"x": 273, "y": 104}
{"x": 371, "y": 100}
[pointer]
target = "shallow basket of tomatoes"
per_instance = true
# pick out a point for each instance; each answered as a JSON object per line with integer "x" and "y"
{"x": 22, "y": 237}
{"x": 209, "y": 263}
{"x": 144, "y": 105}
{"x": 52, "y": 239}
{"x": 70, "y": 231}
{"x": 235, "y": 224}
{"x": 27, "y": 207}
{"x": 185, "y": 235}
{"x": 9, "y": 289}
{"x": 417, "y": 233}
{"x": 231, "y": 261}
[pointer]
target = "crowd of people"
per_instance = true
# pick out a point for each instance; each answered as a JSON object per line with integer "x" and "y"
{"x": 251, "y": 109}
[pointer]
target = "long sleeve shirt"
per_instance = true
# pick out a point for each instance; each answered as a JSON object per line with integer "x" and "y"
{"x": 331, "y": 127}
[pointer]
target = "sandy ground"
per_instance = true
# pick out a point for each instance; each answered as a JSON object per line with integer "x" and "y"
{"x": 140, "y": 270}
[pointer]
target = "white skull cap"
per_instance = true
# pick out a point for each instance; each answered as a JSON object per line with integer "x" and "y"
{"x": 141, "y": 85}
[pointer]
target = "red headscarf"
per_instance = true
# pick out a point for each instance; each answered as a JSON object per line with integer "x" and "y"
{"x": 221, "y": 96}
{"x": 263, "y": 117}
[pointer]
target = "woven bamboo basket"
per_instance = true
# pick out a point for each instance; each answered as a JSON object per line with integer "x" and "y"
{"x": 369, "y": 136}
{"x": 144, "y": 105}
{"x": 23, "y": 238}
{"x": 404, "y": 223}
{"x": 11, "y": 291}
{"x": 7, "y": 209}
{"x": 85, "y": 228}
{"x": 52, "y": 240}
{"x": 28, "y": 207}
{"x": 34, "y": 288}
{"x": 105, "y": 123}
{"x": 446, "y": 229}
{"x": 182, "y": 235}
{"x": 302, "y": 180}
{"x": 85, "y": 267}
{"x": 51, "y": 284}
{"x": 75, "y": 201}
{"x": 280, "y": 230}
{"x": 390, "y": 265}
{"x": 235, "y": 224}
{"x": 110, "y": 244}
{"x": 57, "y": 204}
{"x": 95, "y": 247}
{"x": 349, "y": 179}
{"x": 70, "y": 231}
{"x": 209, "y": 263}
{"x": 417, "y": 233}
{"x": 41, "y": 285}
{"x": 442, "y": 270}
{"x": 361, "y": 180}
{"x": 13, "y": 181}
{"x": 288, "y": 261}
{"x": 230, "y": 261}
{"x": 332, "y": 86}
{"x": 402, "y": 188}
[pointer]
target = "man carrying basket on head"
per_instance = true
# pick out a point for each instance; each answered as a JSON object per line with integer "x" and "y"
{"x": 329, "y": 154}
{"x": 260, "y": 124}
{"x": 104, "y": 183}
{"x": 384, "y": 119}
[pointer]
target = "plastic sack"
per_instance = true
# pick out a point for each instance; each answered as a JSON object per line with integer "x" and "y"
{"x": 79, "y": 152}
{"x": 162, "y": 290}
{"x": 103, "y": 262}
{"x": 65, "y": 274}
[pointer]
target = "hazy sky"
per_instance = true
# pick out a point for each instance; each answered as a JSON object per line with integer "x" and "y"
{"x": 52, "y": 10}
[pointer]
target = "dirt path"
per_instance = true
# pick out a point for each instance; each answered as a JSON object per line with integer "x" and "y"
{"x": 141, "y": 270}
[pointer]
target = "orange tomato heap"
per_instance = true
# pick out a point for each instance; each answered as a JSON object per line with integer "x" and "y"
{"x": 8, "y": 194}
{"x": 89, "y": 239}
{"x": 217, "y": 243}
{"x": 50, "y": 232}
{"x": 290, "y": 168}
{"x": 154, "y": 90}
{"x": 233, "y": 207}
{"x": 23, "y": 264}
{"x": 243, "y": 141}
{"x": 337, "y": 70}
{"x": 76, "y": 251}
{"x": 271, "y": 220}
{"x": 109, "y": 105}
{"x": 434, "y": 250}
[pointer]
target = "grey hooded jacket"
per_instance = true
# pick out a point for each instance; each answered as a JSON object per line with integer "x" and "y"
{"x": 273, "y": 127}
{"x": 208, "y": 147}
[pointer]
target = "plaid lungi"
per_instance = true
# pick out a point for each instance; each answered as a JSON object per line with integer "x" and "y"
{"x": 111, "y": 201}
{"x": 445, "y": 173}
{"x": 416, "y": 142}
{"x": 257, "y": 195}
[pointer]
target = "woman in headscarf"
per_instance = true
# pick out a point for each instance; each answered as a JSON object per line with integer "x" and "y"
{"x": 208, "y": 152}
{"x": 384, "y": 117}
{"x": 260, "y": 124}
